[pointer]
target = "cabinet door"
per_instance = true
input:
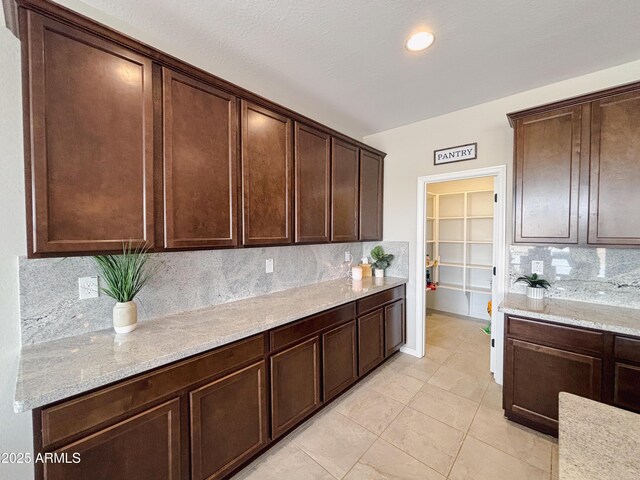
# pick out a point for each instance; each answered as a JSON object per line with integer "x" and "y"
{"x": 344, "y": 191}
{"x": 89, "y": 159}
{"x": 371, "y": 177}
{"x": 200, "y": 163}
{"x": 626, "y": 389}
{"x": 394, "y": 329}
{"x": 370, "y": 341}
{"x": 547, "y": 176}
{"x": 139, "y": 448}
{"x": 339, "y": 360}
{"x": 228, "y": 422}
{"x": 535, "y": 375}
{"x": 295, "y": 385}
{"x": 615, "y": 171}
{"x": 266, "y": 176}
{"x": 312, "y": 184}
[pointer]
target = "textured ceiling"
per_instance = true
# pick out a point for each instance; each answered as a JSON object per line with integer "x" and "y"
{"x": 343, "y": 62}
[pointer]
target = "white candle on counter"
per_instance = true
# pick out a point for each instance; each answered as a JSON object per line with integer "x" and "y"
{"x": 356, "y": 273}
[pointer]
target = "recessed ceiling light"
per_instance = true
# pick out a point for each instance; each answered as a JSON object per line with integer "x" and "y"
{"x": 419, "y": 41}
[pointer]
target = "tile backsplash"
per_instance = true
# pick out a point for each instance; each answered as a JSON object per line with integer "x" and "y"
{"x": 608, "y": 276}
{"x": 50, "y": 307}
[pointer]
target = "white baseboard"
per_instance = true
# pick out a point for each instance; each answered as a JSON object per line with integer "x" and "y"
{"x": 409, "y": 351}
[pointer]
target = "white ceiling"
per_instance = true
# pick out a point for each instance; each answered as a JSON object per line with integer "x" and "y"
{"x": 342, "y": 62}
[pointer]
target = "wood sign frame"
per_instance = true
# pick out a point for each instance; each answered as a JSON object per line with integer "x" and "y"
{"x": 459, "y": 153}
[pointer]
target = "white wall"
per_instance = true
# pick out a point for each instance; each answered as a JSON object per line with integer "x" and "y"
{"x": 410, "y": 153}
{"x": 15, "y": 430}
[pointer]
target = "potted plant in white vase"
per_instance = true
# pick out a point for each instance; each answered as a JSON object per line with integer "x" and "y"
{"x": 124, "y": 276}
{"x": 381, "y": 261}
{"x": 535, "y": 285}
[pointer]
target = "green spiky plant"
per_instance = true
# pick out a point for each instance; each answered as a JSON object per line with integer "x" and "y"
{"x": 534, "y": 281}
{"x": 125, "y": 274}
{"x": 380, "y": 259}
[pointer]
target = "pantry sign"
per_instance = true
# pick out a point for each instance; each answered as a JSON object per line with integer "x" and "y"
{"x": 455, "y": 154}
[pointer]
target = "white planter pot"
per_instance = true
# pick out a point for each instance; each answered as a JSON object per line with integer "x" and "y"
{"x": 536, "y": 293}
{"x": 125, "y": 317}
{"x": 378, "y": 272}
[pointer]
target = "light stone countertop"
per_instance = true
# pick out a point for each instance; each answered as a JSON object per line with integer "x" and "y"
{"x": 52, "y": 371}
{"x": 582, "y": 314}
{"x": 597, "y": 441}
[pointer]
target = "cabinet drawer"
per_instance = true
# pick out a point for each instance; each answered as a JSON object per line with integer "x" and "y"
{"x": 374, "y": 301}
{"x": 627, "y": 348}
{"x": 569, "y": 338}
{"x": 97, "y": 409}
{"x": 288, "y": 334}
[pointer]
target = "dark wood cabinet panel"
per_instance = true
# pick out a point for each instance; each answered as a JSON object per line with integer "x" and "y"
{"x": 370, "y": 341}
{"x": 267, "y": 172}
{"x": 142, "y": 447}
{"x": 339, "y": 359}
{"x": 344, "y": 191}
{"x": 626, "y": 389}
{"x": 371, "y": 177}
{"x": 375, "y": 301}
{"x": 312, "y": 184}
{"x": 89, "y": 159}
{"x": 615, "y": 171}
{"x": 200, "y": 163}
{"x": 295, "y": 385}
{"x": 394, "y": 328}
{"x": 535, "y": 375}
{"x": 547, "y": 177}
{"x": 228, "y": 422}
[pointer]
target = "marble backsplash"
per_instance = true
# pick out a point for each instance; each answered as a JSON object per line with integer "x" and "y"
{"x": 50, "y": 307}
{"x": 609, "y": 276}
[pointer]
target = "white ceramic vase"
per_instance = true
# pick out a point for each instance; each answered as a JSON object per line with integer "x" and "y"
{"x": 535, "y": 293}
{"x": 125, "y": 317}
{"x": 378, "y": 272}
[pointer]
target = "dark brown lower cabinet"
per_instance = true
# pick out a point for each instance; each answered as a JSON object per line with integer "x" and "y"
{"x": 394, "y": 335}
{"x": 626, "y": 391}
{"x": 206, "y": 416}
{"x": 370, "y": 341}
{"x": 144, "y": 446}
{"x": 339, "y": 359}
{"x": 295, "y": 385}
{"x": 543, "y": 359}
{"x": 539, "y": 373}
{"x": 228, "y": 422}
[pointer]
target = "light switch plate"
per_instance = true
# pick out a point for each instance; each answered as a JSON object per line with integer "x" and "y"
{"x": 88, "y": 287}
{"x": 537, "y": 266}
{"x": 269, "y": 265}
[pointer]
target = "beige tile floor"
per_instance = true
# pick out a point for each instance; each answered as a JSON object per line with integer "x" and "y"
{"x": 432, "y": 418}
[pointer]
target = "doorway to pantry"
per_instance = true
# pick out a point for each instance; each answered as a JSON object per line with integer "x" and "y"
{"x": 461, "y": 257}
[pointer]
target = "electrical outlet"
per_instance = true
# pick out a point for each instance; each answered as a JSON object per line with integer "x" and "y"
{"x": 269, "y": 265}
{"x": 537, "y": 266}
{"x": 88, "y": 287}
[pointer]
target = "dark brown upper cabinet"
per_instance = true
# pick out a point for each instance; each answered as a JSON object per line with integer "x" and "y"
{"x": 312, "y": 184}
{"x": 89, "y": 152}
{"x": 615, "y": 171}
{"x": 266, "y": 176}
{"x": 344, "y": 191}
{"x": 371, "y": 171}
{"x": 577, "y": 170}
{"x": 200, "y": 163}
{"x": 547, "y": 177}
{"x": 126, "y": 143}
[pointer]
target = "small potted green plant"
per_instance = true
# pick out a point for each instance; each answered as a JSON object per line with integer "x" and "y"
{"x": 381, "y": 261}
{"x": 124, "y": 276}
{"x": 535, "y": 285}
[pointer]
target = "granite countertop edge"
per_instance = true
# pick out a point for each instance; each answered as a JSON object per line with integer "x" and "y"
{"x": 25, "y": 400}
{"x": 610, "y": 318}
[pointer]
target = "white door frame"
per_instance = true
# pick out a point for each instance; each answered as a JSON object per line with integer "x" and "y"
{"x": 499, "y": 257}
